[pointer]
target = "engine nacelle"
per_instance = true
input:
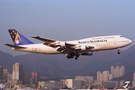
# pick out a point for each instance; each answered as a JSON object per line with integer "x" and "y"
{"x": 83, "y": 48}
{"x": 87, "y": 54}
{"x": 70, "y": 55}
{"x": 63, "y": 44}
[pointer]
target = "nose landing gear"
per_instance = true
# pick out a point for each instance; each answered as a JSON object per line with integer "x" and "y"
{"x": 118, "y": 51}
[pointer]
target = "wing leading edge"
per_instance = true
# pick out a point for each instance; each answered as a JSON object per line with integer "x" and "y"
{"x": 43, "y": 39}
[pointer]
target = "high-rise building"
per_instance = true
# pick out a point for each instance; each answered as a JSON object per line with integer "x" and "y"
{"x": 1, "y": 72}
{"x": 98, "y": 75}
{"x": 110, "y": 76}
{"x": 133, "y": 82}
{"x": 26, "y": 78}
{"x": 101, "y": 77}
{"x": 112, "y": 70}
{"x": 117, "y": 71}
{"x": 5, "y": 73}
{"x": 122, "y": 71}
{"x": 35, "y": 75}
{"x": 17, "y": 71}
{"x": 105, "y": 75}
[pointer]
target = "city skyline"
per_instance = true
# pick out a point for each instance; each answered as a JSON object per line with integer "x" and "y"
{"x": 78, "y": 82}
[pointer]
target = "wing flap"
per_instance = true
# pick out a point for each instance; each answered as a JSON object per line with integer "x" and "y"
{"x": 14, "y": 46}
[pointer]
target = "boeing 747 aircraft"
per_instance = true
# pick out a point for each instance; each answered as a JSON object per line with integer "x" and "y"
{"x": 71, "y": 48}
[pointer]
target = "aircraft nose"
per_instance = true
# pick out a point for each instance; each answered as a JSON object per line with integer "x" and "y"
{"x": 130, "y": 41}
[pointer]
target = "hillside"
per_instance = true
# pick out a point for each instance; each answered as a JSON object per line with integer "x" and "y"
{"x": 61, "y": 67}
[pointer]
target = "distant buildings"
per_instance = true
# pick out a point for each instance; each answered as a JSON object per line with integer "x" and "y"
{"x": 19, "y": 78}
{"x": 50, "y": 84}
{"x": 116, "y": 72}
{"x": 6, "y": 74}
{"x": 85, "y": 78}
{"x": 35, "y": 75}
{"x": 133, "y": 82}
{"x": 17, "y": 71}
{"x": 72, "y": 83}
{"x": 1, "y": 72}
{"x": 104, "y": 76}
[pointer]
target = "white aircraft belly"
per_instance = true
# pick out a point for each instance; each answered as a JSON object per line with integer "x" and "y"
{"x": 39, "y": 48}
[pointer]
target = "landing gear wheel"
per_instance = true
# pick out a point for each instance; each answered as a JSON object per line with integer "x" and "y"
{"x": 118, "y": 52}
{"x": 76, "y": 58}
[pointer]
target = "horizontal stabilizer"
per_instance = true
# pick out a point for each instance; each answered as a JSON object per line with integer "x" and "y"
{"x": 43, "y": 39}
{"x": 14, "y": 46}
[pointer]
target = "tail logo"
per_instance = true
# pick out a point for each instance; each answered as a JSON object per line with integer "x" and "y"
{"x": 17, "y": 39}
{"x": 15, "y": 36}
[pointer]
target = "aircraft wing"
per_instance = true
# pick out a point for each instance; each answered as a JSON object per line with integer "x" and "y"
{"x": 48, "y": 42}
{"x": 14, "y": 46}
{"x": 53, "y": 43}
{"x": 43, "y": 39}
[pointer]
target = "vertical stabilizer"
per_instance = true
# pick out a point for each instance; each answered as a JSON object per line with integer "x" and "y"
{"x": 18, "y": 39}
{"x": 125, "y": 86}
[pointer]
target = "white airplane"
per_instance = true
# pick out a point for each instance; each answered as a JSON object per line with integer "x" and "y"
{"x": 123, "y": 87}
{"x": 71, "y": 48}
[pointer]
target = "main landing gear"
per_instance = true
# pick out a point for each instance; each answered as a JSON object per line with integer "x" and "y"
{"x": 72, "y": 55}
{"x": 76, "y": 56}
{"x": 118, "y": 51}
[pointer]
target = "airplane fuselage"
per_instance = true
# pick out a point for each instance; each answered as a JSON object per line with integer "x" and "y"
{"x": 99, "y": 44}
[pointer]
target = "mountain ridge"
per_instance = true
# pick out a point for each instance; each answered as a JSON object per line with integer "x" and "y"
{"x": 61, "y": 67}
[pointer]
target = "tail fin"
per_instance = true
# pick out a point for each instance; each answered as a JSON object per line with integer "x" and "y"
{"x": 18, "y": 39}
{"x": 125, "y": 86}
{"x": 3, "y": 87}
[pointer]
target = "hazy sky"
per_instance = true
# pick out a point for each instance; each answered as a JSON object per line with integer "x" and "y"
{"x": 66, "y": 19}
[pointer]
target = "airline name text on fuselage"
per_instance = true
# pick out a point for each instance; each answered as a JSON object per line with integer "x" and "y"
{"x": 92, "y": 41}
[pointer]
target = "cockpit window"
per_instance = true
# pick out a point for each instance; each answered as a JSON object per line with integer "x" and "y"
{"x": 121, "y": 36}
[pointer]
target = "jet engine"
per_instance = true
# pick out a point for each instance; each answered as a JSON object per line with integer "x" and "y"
{"x": 87, "y": 54}
{"x": 83, "y": 47}
{"x": 70, "y": 55}
{"x": 63, "y": 44}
